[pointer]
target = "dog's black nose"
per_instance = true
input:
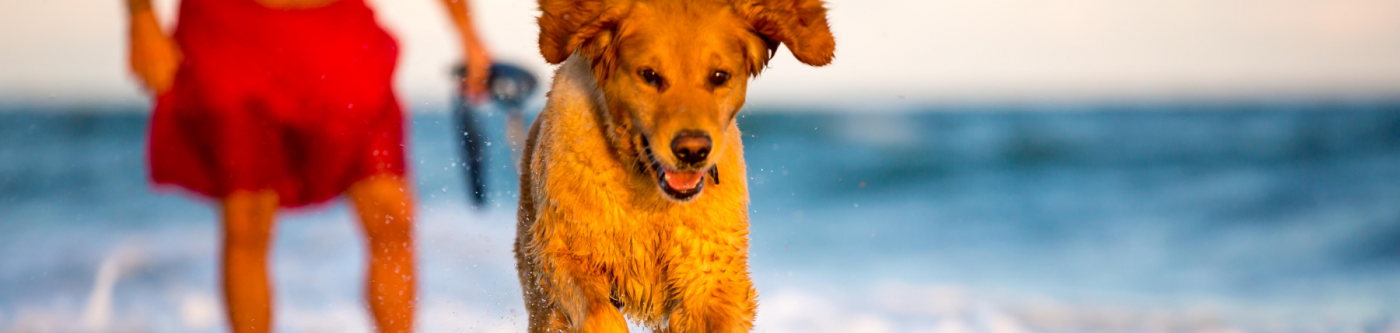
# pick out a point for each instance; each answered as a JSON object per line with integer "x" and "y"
{"x": 691, "y": 147}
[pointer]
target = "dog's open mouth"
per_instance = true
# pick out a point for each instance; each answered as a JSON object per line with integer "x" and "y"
{"x": 677, "y": 184}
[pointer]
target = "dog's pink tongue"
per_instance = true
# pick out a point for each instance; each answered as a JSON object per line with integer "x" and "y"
{"x": 683, "y": 180}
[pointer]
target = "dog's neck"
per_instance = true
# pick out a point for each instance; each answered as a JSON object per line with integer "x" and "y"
{"x": 574, "y": 83}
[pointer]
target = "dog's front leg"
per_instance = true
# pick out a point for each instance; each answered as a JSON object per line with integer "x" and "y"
{"x": 710, "y": 282}
{"x": 719, "y": 304}
{"x": 581, "y": 292}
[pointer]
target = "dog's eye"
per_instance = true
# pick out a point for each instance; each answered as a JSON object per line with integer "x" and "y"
{"x": 650, "y": 77}
{"x": 719, "y": 78}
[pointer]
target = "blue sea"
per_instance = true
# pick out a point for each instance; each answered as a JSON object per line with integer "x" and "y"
{"x": 1101, "y": 217}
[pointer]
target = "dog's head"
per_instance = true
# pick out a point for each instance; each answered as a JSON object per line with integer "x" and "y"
{"x": 673, "y": 73}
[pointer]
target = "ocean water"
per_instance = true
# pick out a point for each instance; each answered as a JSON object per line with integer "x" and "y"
{"x": 1163, "y": 217}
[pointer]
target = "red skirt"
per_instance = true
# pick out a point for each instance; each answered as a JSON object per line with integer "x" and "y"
{"x": 298, "y": 101}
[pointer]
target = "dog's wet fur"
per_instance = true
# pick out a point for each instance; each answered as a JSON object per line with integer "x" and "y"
{"x": 622, "y": 211}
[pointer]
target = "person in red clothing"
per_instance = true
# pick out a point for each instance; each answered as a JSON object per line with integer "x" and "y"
{"x": 268, "y": 104}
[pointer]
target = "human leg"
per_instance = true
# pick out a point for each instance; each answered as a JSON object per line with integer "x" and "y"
{"x": 385, "y": 205}
{"x": 247, "y": 223}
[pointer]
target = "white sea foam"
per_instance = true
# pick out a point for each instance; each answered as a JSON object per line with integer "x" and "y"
{"x": 469, "y": 284}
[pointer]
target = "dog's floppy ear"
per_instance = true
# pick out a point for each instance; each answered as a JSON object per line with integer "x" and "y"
{"x": 799, "y": 24}
{"x": 567, "y": 26}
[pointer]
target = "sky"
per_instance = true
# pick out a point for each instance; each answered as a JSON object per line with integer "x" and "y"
{"x": 889, "y": 52}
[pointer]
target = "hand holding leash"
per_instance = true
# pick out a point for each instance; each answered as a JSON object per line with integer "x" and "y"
{"x": 508, "y": 85}
{"x": 474, "y": 54}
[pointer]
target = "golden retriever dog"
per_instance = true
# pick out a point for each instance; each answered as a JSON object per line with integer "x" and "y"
{"x": 633, "y": 195}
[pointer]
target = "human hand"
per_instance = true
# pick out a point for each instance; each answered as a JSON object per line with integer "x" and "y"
{"x": 478, "y": 66}
{"x": 153, "y": 56}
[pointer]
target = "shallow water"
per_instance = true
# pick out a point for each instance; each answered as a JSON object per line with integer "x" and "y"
{"x": 1259, "y": 217}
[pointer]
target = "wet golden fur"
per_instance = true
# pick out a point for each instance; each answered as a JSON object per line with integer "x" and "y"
{"x": 597, "y": 237}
